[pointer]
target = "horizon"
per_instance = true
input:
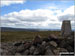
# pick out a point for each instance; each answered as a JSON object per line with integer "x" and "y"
{"x": 41, "y": 29}
{"x": 36, "y": 14}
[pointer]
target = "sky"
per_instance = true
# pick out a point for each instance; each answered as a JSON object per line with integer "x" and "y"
{"x": 36, "y": 14}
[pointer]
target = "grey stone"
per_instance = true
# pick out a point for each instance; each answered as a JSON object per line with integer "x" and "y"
{"x": 32, "y": 49}
{"x": 27, "y": 45}
{"x": 12, "y": 50}
{"x": 36, "y": 52}
{"x": 5, "y": 52}
{"x": 53, "y": 43}
{"x": 37, "y": 40}
{"x": 63, "y": 50}
{"x": 17, "y": 43}
{"x": 43, "y": 43}
{"x": 26, "y": 52}
{"x": 20, "y": 48}
{"x": 56, "y": 51}
{"x": 53, "y": 36}
{"x": 48, "y": 51}
{"x": 17, "y": 54}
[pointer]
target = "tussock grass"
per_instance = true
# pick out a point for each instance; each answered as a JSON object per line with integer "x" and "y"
{"x": 10, "y": 36}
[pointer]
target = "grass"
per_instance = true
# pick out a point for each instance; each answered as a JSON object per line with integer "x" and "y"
{"x": 10, "y": 36}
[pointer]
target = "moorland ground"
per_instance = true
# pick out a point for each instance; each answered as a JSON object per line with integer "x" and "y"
{"x": 10, "y": 36}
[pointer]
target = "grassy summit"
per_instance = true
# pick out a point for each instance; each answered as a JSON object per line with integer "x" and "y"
{"x": 9, "y": 36}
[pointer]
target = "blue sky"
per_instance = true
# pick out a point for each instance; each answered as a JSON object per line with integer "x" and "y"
{"x": 36, "y": 14}
{"x": 32, "y": 5}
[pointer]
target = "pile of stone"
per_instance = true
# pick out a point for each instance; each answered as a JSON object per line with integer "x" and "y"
{"x": 51, "y": 45}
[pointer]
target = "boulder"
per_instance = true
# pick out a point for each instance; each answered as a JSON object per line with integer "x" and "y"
{"x": 37, "y": 40}
{"x": 17, "y": 54}
{"x": 20, "y": 49}
{"x": 43, "y": 44}
{"x": 12, "y": 50}
{"x": 67, "y": 44}
{"x": 69, "y": 48}
{"x": 63, "y": 44}
{"x": 36, "y": 51}
{"x": 32, "y": 49}
{"x": 53, "y": 43}
{"x": 51, "y": 37}
{"x": 27, "y": 45}
{"x": 46, "y": 39}
{"x": 56, "y": 51}
{"x": 5, "y": 52}
{"x": 17, "y": 43}
{"x": 63, "y": 50}
{"x": 24, "y": 42}
{"x": 49, "y": 51}
{"x": 26, "y": 52}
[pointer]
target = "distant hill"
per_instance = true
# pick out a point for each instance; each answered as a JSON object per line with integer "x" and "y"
{"x": 27, "y": 29}
{"x": 22, "y": 29}
{"x": 16, "y": 29}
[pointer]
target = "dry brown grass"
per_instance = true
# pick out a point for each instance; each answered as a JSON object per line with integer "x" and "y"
{"x": 24, "y": 35}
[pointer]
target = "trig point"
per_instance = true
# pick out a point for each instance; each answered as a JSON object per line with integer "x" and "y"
{"x": 66, "y": 28}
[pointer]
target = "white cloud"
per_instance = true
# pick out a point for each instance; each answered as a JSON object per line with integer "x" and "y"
{"x": 69, "y": 10}
{"x": 53, "y": 7}
{"x": 39, "y": 18}
{"x": 30, "y": 18}
{"x": 9, "y": 2}
{"x": 68, "y": 14}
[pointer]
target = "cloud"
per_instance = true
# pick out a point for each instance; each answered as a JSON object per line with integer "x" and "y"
{"x": 39, "y": 18}
{"x": 38, "y": 15}
{"x": 29, "y": 18}
{"x": 68, "y": 14}
{"x": 9, "y": 2}
{"x": 67, "y": 17}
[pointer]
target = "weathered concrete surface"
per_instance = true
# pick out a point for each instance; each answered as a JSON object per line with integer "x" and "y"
{"x": 66, "y": 28}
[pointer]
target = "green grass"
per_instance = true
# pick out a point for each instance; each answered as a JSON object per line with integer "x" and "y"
{"x": 10, "y": 36}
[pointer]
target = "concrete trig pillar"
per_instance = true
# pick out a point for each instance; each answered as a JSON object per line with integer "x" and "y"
{"x": 66, "y": 28}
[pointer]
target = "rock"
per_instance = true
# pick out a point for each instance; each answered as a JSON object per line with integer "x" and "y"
{"x": 6, "y": 45}
{"x": 43, "y": 43}
{"x": 27, "y": 45}
{"x": 12, "y": 50}
{"x": 69, "y": 48}
{"x": 9, "y": 47}
{"x": 53, "y": 37}
{"x": 42, "y": 48}
{"x": 56, "y": 52}
{"x": 17, "y": 54}
{"x": 37, "y": 40}
{"x": 70, "y": 41}
{"x": 32, "y": 49}
{"x": 17, "y": 43}
{"x": 36, "y": 51}
{"x": 53, "y": 43}
{"x": 46, "y": 39}
{"x": 5, "y": 52}
{"x": 63, "y": 50}
{"x": 63, "y": 44}
{"x": 24, "y": 42}
{"x": 26, "y": 52}
{"x": 20, "y": 49}
{"x": 48, "y": 51}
